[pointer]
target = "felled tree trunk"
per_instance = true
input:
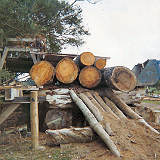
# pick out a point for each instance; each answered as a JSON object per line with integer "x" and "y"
{"x": 95, "y": 111}
{"x": 127, "y": 110}
{"x": 66, "y": 71}
{"x": 114, "y": 108}
{"x": 42, "y": 72}
{"x": 91, "y": 101}
{"x": 124, "y": 107}
{"x": 119, "y": 78}
{"x": 97, "y": 127}
{"x": 70, "y": 135}
{"x": 104, "y": 105}
{"x": 100, "y": 63}
{"x": 85, "y": 59}
{"x": 90, "y": 77}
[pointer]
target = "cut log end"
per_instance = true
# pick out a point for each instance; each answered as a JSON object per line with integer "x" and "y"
{"x": 89, "y": 77}
{"x": 42, "y": 72}
{"x": 66, "y": 71}
{"x": 100, "y": 63}
{"x": 124, "y": 79}
{"x": 120, "y": 78}
{"x": 87, "y": 58}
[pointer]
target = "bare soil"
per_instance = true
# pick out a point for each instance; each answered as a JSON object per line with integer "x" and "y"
{"x": 134, "y": 141}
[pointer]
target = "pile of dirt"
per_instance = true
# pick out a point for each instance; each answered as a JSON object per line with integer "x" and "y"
{"x": 134, "y": 141}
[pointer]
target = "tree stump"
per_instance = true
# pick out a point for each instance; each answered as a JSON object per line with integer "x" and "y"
{"x": 119, "y": 78}
{"x": 66, "y": 71}
{"x": 90, "y": 77}
{"x": 42, "y": 72}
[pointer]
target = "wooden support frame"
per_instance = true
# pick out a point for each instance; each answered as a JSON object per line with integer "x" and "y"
{"x": 34, "y": 119}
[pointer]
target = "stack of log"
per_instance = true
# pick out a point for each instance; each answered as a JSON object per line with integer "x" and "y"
{"x": 95, "y": 106}
{"x": 89, "y": 70}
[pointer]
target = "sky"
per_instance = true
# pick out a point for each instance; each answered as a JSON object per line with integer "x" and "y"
{"x": 127, "y": 31}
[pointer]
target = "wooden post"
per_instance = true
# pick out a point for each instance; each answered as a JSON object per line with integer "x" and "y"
{"x": 34, "y": 119}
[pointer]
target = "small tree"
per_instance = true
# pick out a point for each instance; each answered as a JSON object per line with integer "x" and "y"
{"x": 60, "y": 22}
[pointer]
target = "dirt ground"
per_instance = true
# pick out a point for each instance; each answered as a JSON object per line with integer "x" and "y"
{"x": 133, "y": 140}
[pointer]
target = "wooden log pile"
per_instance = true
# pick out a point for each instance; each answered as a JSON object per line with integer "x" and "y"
{"x": 96, "y": 105}
{"x": 88, "y": 70}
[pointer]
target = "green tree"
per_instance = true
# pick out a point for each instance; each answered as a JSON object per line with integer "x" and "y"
{"x": 59, "y": 21}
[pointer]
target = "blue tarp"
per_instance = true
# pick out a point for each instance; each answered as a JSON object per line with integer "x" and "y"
{"x": 147, "y": 73}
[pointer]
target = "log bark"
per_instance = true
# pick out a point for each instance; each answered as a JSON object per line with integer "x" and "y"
{"x": 85, "y": 59}
{"x": 119, "y": 78}
{"x": 94, "y": 124}
{"x": 94, "y": 102}
{"x": 42, "y": 72}
{"x": 124, "y": 107}
{"x": 66, "y": 70}
{"x": 104, "y": 105}
{"x": 58, "y": 118}
{"x": 90, "y": 77}
{"x": 95, "y": 111}
{"x": 100, "y": 63}
{"x": 70, "y": 135}
{"x": 127, "y": 110}
{"x": 114, "y": 108}
{"x": 108, "y": 129}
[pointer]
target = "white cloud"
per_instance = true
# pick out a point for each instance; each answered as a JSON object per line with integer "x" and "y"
{"x": 128, "y": 31}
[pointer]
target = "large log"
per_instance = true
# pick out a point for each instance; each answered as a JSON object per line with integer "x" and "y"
{"x": 42, "y": 72}
{"x": 119, "y": 78}
{"x": 127, "y": 110}
{"x": 100, "y": 63}
{"x": 70, "y": 135}
{"x": 85, "y": 59}
{"x": 90, "y": 77}
{"x": 94, "y": 124}
{"x": 66, "y": 71}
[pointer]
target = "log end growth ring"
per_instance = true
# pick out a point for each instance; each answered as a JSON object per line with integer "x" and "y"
{"x": 89, "y": 77}
{"x": 42, "y": 72}
{"x": 66, "y": 71}
{"x": 123, "y": 79}
{"x": 87, "y": 58}
{"x": 100, "y": 63}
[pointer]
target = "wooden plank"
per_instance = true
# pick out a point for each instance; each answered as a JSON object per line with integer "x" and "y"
{"x": 20, "y": 87}
{"x": 10, "y": 109}
{"x": 26, "y": 99}
{"x": 5, "y": 52}
{"x": 21, "y": 39}
{"x": 23, "y": 49}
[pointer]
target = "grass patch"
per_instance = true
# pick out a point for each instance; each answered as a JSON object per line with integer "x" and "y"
{"x": 153, "y": 102}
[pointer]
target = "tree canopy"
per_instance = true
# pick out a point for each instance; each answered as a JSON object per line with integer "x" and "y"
{"x": 60, "y": 22}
